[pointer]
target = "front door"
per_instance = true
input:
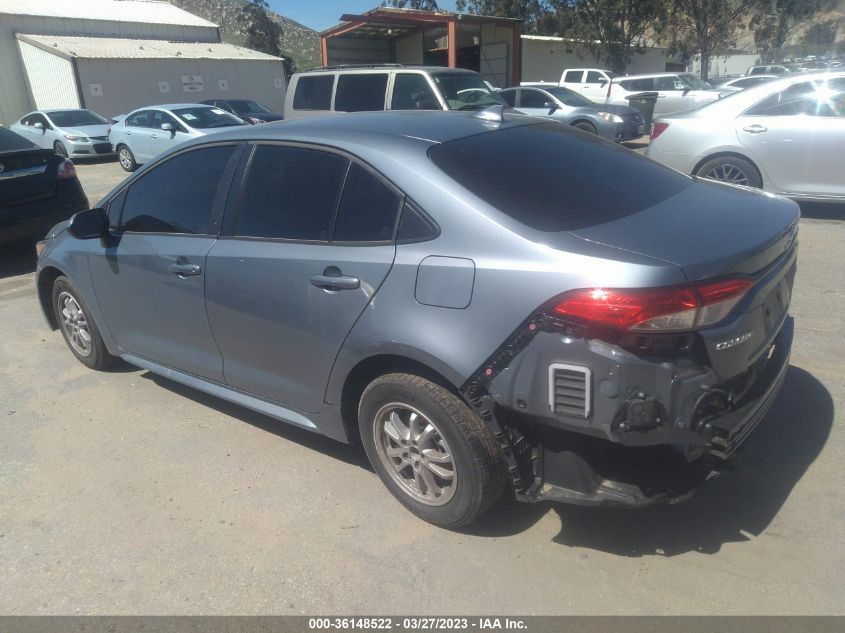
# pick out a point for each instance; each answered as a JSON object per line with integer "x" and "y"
{"x": 149, "y": 280}
{"x": 595, "y": 86}
{"x": 797, "y": 137}
{"x": 162, "y": 140}
{"x": 301, "y": 262}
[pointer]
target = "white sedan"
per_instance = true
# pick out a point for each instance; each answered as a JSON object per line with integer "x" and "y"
{"x": 145, "y": 133}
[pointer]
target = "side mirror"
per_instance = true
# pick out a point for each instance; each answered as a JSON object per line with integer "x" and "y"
{"x": 88, "y": 225}
{"x": 167, "y": 127}
{"x": 551, "y": 106}
{"x": 39, "y": 126}
{"x": 602, "y": 83}
{"x": 686, "y": 91}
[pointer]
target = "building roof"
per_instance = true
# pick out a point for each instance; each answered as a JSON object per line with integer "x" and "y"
{"x": 120, "y": 48}
{"x": 143, "y": 11}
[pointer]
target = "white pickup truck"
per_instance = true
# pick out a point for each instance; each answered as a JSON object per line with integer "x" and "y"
{"x": 590, "y": 82}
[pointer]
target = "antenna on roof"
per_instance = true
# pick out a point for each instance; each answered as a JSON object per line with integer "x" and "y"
{"x": 492, "y": 114}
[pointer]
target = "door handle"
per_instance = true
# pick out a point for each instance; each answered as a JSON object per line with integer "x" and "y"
{"x": 755, "y": 129}
{"x": 184, "y": 270}
{"x": 340, "y": 282}
{"x": 153, "y": 136}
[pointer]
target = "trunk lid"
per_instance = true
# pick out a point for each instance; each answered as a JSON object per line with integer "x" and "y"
{"x": 708, "y": 230}
{"x": 26, "y": 175}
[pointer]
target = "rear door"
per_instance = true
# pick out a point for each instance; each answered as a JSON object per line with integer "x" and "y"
{"x": 797, "y": 137}
{"x": 534, "y": 102}
{"x": 149, "y": 278}
{"x": 672, "y": 95}
{"x": 137, "y": 132}
{"x": 572, "y": 79}
{"x": 304, "y": 250}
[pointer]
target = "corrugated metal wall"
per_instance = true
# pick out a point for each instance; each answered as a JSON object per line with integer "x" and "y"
{"x": 14, "y": 96}
{"x": 51, "y": 79}
{"x": 129, "y": 84}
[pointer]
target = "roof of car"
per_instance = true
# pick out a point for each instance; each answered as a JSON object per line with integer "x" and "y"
{"x": 648, "y": 75}
{"x": 430, "y": 126}
{"x": 384, "y": 67}
{"x": 171, "y": 106}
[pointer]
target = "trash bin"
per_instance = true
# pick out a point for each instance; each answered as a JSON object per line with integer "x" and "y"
{"x": 644, "y": 102}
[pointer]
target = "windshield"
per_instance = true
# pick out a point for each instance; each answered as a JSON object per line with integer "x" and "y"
{"x": 695, "y": 82}
{"x": 248, "y": 106}
{"x": 206, "y": 118}
{"x": 570, "y": 98}
{"x": 74, "y": 118}
{"x": 465, "y": 91}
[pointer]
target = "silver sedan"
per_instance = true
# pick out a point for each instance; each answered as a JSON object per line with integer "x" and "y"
{"x": 71, "y": 133}
{"x": 785, "y": 136}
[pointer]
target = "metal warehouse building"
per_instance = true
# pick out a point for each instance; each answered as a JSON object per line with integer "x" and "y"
{"x": 112, "y": 56}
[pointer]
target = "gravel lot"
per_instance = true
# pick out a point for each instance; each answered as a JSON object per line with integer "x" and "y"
{"x": 125, "y": 493}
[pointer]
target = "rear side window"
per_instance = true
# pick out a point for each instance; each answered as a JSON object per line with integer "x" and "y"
{"x": 534, "y": 99}
{"x": 368, "y": 209}
{"x": 290, "y": 193}
{"x": 178, "y": 195}
{"x": 360, "y": 92}
{"x": 638, "y": 84}
{"x": 551, "y": 179}
{"x": 573, "y": 76}
{"x": 314, "y": 93}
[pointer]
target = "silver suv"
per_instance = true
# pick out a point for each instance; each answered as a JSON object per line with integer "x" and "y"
{"x": 386, "y": 87}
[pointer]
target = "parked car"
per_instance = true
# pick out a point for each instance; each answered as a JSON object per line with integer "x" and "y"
{"x": 389, "y": 87}
{"x": 38, "y": 188}
{"x": 676, "y": 92}
{"x": 69, "y": 133}
{"x": 741, "y": 83}
{"x": 614, "y": 122}
{"x": 785, "y": 136}
{"x": 147, "y": 132}
{"x": 250, "y": 111}
{"x": 590, "y": 82}
{"x": 774, "y": 69}
{"x": 429, "y": 282}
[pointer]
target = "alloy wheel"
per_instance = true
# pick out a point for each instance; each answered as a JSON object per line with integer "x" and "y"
{"x": 74, "y": 324}
{"x": 726, "y": 172}
{"x": 125, "y": 158}
{"x": 415, "y": 454}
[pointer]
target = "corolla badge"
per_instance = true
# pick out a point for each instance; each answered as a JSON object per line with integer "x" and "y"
{"x": 733, "y": 342}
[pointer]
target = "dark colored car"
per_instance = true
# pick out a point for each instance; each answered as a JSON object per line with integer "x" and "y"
{"x": 482, "y": 298}
{"x": 250, "y": 111}
{"x": 38, "y": 188}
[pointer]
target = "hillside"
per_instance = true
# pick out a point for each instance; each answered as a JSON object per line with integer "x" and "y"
{"x": 298, "y": 41}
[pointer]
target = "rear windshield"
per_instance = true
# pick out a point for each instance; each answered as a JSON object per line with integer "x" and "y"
{"x": 10, "y": 142}
{"x": 551, "y": 178}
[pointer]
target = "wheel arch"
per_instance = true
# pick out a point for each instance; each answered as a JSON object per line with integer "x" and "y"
{"x": 587, "y": 121}
{"x": 370, "y": 368}
{"x": 727, "y": 153}
{"x": 46, "y": 278}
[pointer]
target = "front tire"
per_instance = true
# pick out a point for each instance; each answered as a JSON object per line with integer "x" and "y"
{"x": 126, "y": 159}
{"x": 731, "y": 169}
{"x": 434, "y": 454}
{"x": 78, "y": 327}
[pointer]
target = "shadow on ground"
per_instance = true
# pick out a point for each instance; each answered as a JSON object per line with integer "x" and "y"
{"x": 823, "y": 210}
{"x": 737, "y": 506}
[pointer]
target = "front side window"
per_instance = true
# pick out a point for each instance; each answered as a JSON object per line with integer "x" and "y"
{"x": 314, "y": 93}
{"x": 412, "y": 92}
{"x": 638, "y": 85}
{"x": 360, "y": 92}
{"x": 178, "y": 195}
{"x": 813, "y": 98}
{"x": 594, "y": 77}
{"x": 139, "y": 119}
{"x": 534, "y": 99}
{"x": 571, "y": 98}
{"x": 290, "y": 193}
{"x": 368, "y": 208}
{"x": 159, "y": 118}
{"x": 669, "y": 83}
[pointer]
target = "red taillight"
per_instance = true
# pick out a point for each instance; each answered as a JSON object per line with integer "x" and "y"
{"x": 657, "y": 129}
{"x": 66, "y": 170}
{"x": 654, "y": 309}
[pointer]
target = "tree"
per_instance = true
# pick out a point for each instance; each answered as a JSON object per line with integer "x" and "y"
{"x": 613, "y": 30}
{"x": 776, "y": 20}
{"x": 262, "y": 33}
{"x": 425, "y": 5}
{"x": 529, "y": 11}
{"x": 705, "y": 27}
{"x": 821, "y": 35}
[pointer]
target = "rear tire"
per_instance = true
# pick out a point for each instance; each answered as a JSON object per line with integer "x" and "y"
{"x": 60, "y": 149}
{"x": 434, "y": 454}
{"x": 126, "y": 158}
{"x": 587, "y": 127}
{"x": 731, "y": 169}
{"x": 78, "y": 327}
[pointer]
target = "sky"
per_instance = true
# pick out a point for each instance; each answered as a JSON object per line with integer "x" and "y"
{"x": 322, "y": 14}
